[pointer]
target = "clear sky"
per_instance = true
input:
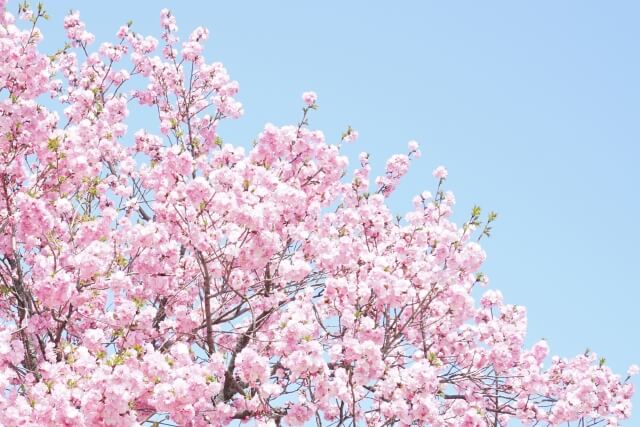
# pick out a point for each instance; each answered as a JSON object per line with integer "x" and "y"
{"x": 534, "y": 107}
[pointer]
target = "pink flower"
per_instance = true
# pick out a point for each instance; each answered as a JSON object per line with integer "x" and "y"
{"x": 440, "y": 172}
{"x": 351, "y": 136}
{"x": 397, "y": 165}
{"x": 414, "y": 149}
{"x": 297, "y": 415}
{"x": 252, "y": 367}
{"x": 309, "y": 98}
{"x": 491, "y": 298}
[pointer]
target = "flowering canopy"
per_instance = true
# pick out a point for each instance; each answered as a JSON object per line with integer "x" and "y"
{"x": 161, "y": 276}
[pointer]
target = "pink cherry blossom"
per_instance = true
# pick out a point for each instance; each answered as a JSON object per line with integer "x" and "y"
{"x": 414, "y": 149}
{"x": 440, "y": 172}
{"x": 351, "y": 136}
{"x": 309, "y": 98}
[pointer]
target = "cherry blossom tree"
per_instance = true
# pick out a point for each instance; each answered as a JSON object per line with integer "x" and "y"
{"x": 162, "y": 277}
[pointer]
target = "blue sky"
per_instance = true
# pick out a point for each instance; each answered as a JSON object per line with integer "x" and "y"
{"x": 532, "y": 106}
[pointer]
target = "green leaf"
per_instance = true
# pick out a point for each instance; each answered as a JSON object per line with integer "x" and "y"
{"x": 138, "y": 302}
{"x": 53, "y": 144}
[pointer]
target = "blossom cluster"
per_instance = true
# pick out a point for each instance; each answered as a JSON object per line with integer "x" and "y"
{"x": 162, "y": 275}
